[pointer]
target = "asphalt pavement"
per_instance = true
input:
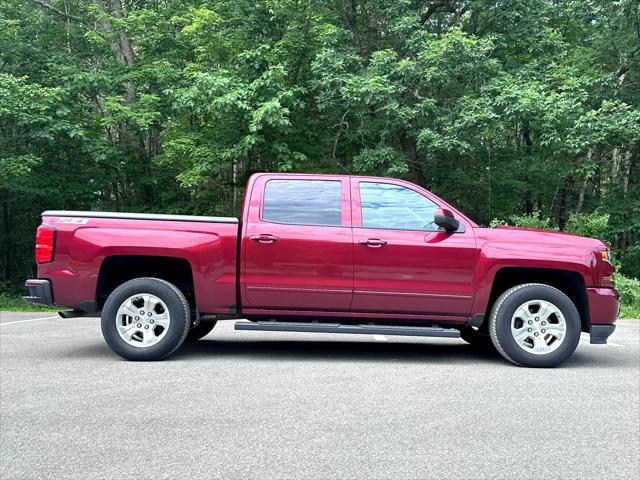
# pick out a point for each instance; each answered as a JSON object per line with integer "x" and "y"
{"x": 323, "y": 406}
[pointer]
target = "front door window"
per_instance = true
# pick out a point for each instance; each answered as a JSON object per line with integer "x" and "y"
{"x": 395, "y": 207}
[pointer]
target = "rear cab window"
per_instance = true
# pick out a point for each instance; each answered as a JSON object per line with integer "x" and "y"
{"x": 303, "y": 202}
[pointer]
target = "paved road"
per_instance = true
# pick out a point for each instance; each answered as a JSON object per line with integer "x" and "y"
{"x": 276, "y": 405}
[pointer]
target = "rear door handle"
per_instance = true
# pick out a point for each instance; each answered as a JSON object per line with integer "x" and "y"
{"x": 264, "y": 238}
{"x": 373, "y": 242}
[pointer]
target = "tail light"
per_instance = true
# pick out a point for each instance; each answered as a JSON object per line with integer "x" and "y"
{"x": 45, "y": 243}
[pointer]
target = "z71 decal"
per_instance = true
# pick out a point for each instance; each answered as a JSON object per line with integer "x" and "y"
{"x": 73, "y": 220}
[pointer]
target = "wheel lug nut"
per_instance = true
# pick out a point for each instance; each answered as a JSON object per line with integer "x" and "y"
{"x": 151, "y": 321}
{"x": 536, "y": 334}
{"x": 544, "y": 331}
{"x": 137, "y": 318}
{"x": 537, "y": 318}
{"x": 544, "y": 323}
{"x": 139, "y": 325}
{"x": 529, "y": 329}
{"x": 149, "y": 313}
{"x": 529, "y": 322}
{"x": 141, "y": 312}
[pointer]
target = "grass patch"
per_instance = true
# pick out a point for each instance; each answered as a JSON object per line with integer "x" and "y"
{"x": 630, "y": 311}
{"x": 14, "y": 303}
{"x": 629, "y": 289}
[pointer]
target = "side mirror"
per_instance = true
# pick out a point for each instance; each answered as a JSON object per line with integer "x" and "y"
{"x": 445, "y": 219}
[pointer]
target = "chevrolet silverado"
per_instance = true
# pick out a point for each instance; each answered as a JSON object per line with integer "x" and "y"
{"x": 327, "y": 253}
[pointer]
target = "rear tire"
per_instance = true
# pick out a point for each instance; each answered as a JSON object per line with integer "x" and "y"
{"x": 145, "y": 319}
{"x": 535, "y": 325}
{"x": 201, "y": 330}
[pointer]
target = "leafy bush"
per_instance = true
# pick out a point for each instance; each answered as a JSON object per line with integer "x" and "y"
{"x": 629, "y": 289}
{"x": 593, "y": 224}
{"x": 535, "y": 220}
{"x": 630, "y": 261}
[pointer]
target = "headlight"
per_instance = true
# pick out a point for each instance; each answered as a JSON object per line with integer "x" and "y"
{"x": 607, "y": 256}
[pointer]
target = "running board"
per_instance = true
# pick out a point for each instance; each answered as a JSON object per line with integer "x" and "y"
{"x": 272, "y": 326}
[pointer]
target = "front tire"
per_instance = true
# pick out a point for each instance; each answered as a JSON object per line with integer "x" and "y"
{"x": 535, "y": 325}
{"x": 145, "y": 319}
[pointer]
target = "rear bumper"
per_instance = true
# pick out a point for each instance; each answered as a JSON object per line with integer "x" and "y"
{"x": 40, "y": 292}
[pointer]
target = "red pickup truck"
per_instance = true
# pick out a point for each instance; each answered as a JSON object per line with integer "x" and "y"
{"x": 327, "y": 253}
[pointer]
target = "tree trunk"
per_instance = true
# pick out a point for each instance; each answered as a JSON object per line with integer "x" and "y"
{"x": 629, "y": 167}
{"x": 121, "y": 45}
{"x": 6, "y": 229}
{"x": 614, "y": 169}
{"x": 565, "y": 199}
{"x": 583, "y": 186}
{"x": 528, "y": 194}
{"x": 581, "y": 192}
{"x": 409, "y": 148}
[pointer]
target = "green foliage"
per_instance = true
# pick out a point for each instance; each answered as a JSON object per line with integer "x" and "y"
{"x": 535, "y": 220}
{"x": 527, "y": 111}
{"x": 629, "y": 289}
{"x": 14, "y": 303}
{"x": 595, "y": 224}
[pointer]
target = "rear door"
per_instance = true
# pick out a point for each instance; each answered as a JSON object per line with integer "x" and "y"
{"x": 403, "y": 262}
{"x": 297, "y": 245}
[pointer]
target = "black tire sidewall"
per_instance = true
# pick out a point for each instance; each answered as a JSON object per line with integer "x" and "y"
{"x": 178, "y": 325}
{"x": 538, "y": 292}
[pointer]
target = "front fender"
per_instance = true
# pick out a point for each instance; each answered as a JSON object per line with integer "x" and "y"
{"x": 495, "y": 256}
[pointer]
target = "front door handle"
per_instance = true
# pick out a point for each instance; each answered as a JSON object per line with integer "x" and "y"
{"x": 373, "y": 242}
{"x": 264, "y": 238}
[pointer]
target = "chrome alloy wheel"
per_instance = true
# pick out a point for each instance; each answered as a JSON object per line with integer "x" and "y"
{"x": 142, "y": 320}
{"x": 538, "y": 327}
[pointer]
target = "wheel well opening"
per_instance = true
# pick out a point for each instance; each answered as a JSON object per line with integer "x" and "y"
{"x": 117, "y": 269}
{"x": 570, "y": 283}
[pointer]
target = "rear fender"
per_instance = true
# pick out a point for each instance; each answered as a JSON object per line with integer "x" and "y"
{"x": 213, "y": 278}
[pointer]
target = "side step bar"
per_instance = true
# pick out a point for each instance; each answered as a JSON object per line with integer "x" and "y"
{"x": 271, "y": 326}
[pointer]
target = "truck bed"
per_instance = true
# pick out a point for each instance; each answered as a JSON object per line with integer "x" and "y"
{"x": 84, "y": 240}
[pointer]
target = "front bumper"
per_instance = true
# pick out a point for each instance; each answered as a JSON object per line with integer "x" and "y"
{"x": 604, "y": 308}
{"x": 604, "y": 305}
{"x": 40, "y": 292}
{"x": 600, "y": 333}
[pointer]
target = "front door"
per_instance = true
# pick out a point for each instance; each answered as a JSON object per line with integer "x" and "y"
{"x": 297, "y": 245}
{"x": 403, "y": 262}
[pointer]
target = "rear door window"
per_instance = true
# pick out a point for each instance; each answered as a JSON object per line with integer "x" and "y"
{"x": 303, "y": 202}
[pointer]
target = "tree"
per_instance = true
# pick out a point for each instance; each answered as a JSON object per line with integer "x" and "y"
{"x": 504, "y": 108}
